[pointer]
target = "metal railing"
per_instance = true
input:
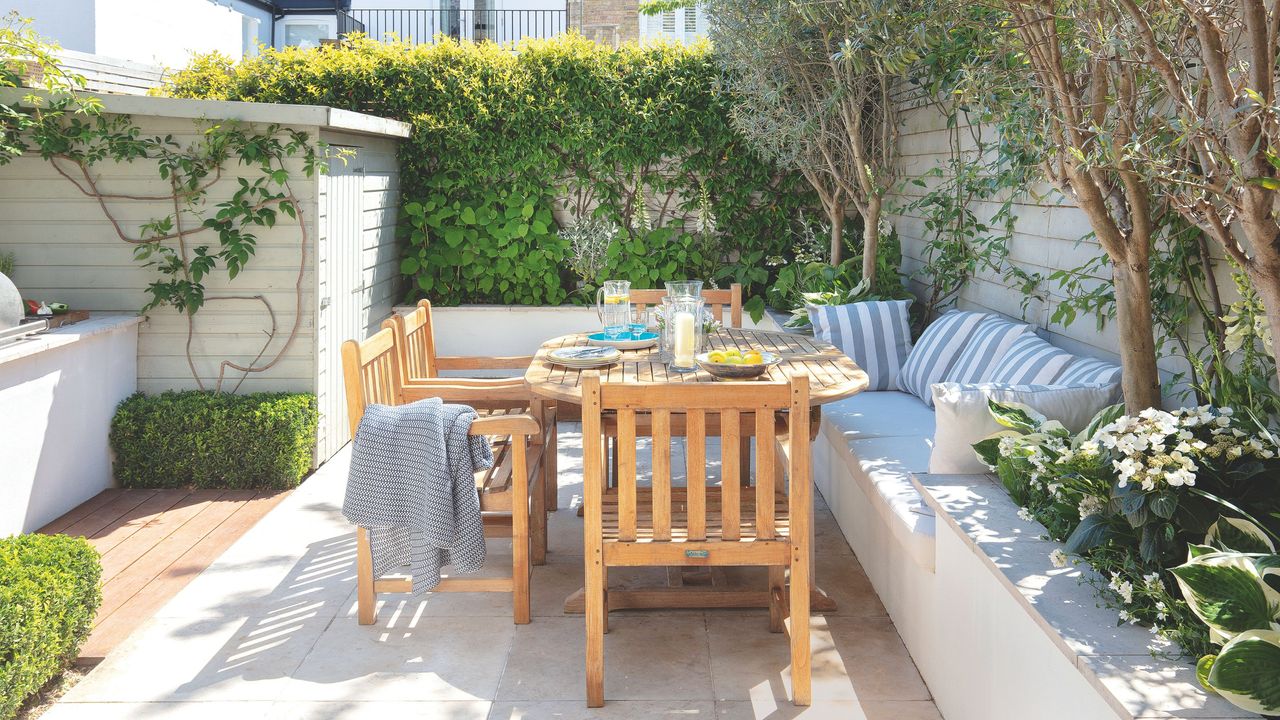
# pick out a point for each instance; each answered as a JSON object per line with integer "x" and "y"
{"x": 420, "y": 27}
{"x": 347, "y": 24}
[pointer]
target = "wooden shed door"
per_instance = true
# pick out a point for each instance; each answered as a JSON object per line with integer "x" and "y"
{"x": 341, "y": 295}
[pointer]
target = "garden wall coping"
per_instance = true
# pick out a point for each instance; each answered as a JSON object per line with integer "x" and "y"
{"x": 97, "y": 324}
{"x": 1116, "y": 660}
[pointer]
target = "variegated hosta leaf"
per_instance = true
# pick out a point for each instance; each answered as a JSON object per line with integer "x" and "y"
{"x": 1015, "y": 416}
{"x": 1225, "y": 590}
{"x": 1247, "y": 671}
{"x": 1104, "y": 418}
{"x": 1238, "y": 535}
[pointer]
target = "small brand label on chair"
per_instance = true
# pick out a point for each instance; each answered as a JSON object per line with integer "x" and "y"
{"x": 697, "y": 553}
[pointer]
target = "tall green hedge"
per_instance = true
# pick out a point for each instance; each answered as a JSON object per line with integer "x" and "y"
{"x": 498, "y": 136}
{"x": 214, "y": 440}
{"x": 48, "y": 596}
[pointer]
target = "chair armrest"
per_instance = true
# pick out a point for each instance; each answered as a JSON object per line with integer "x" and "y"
{"x": 467, "y": 393}
{"x": 521, "y": 424}
{"x": 483, "y": 362}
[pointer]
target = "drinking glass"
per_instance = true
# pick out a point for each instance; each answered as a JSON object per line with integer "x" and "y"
{"x": 684, "y": 288}
{"x": 639, "y": 322}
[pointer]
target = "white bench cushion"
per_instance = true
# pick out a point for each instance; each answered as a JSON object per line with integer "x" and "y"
{"x": 883, "y": 465}
{"x": 880, "y": 414}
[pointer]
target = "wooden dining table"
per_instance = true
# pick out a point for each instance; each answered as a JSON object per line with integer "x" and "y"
{"x": 832, "y": 376}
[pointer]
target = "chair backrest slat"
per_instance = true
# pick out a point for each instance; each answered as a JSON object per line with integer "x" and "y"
{"x": 415, "y": 334}
{"x": 626, "y": 449}
{"x": 662, "y": 475}
{"x": 731, "y": 474}
{"x": 696, "y": 473}
{"x": 717, "y": 300}
{"x": 765, "y": 440}
{"x": 371, "y": 374}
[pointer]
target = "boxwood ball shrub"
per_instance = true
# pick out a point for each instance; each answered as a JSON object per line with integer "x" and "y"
{"x": 214, "y": 440}
{"x": 48, "y": 596}
{"x": 507, "y": 145}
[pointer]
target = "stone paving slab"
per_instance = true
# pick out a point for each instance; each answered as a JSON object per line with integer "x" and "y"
{"x": 269, "y": 631}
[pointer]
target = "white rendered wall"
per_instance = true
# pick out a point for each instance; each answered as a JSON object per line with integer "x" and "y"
{"x": 166, "y": 32}
{"x": 57, "y": 407}
{"x": 69, "y": 23}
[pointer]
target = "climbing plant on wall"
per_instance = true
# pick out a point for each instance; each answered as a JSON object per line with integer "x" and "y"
{"x": 220, "y": 190}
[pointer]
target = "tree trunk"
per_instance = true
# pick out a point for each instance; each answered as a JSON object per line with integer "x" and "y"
{"x": 870, "y": 242}
{"x": 1140, "y": 380}
{"x": 837, "y": 233}
{"x": 1268, "y": 289}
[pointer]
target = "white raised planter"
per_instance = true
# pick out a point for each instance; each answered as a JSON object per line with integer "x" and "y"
{"x": 58, "y": 391}
{"x": 1018, "y": 638}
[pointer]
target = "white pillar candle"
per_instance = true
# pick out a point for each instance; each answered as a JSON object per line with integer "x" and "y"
{"x": 682, "y": 347}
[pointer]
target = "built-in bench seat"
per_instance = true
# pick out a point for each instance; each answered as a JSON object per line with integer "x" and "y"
{"x": 880, "y": 439}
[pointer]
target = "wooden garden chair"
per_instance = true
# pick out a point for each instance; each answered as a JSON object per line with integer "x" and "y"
{"x": 701, "y": 524}
{"x": 511, "y": 493}
{"x": 420, "y": 364}
{"x": 718, "y": 300}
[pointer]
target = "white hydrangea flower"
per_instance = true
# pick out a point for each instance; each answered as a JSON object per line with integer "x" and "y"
{"x": 1058, "y": 558}
{"x": 1091, "y": 505}
{"x": 1025, "y": 515}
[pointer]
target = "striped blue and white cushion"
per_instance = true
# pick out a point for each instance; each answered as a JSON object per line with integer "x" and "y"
{"x": 936, "y": 351}
{"x": 987, "y": 346}
{"x": 1031, "y": 361}
{"x": 1089, "y": 370}
{"x": 875, "y": 334}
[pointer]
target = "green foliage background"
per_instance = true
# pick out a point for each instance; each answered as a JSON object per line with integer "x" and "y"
{"x": 48, "y": 596}
{"x": 498, "y": 136}
{"x": 214, "y": 440}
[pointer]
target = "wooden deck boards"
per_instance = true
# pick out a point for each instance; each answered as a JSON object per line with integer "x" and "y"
{"x": 154, "y": 542}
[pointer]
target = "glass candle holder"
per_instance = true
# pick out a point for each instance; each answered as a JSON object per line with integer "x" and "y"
{"x": 684, "y": 288}
{"x": 684, "y": 332}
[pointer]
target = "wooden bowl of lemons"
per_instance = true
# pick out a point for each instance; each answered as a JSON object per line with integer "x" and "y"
{"x": 736, "y": 364}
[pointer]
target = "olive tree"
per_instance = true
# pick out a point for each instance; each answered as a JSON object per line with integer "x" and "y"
{"x": 815, "y": 84}
{"x": 1059, "y": 66}
{"x": 1214, "y": 149}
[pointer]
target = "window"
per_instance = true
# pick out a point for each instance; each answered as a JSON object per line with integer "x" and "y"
{"x": 681, "y": 24}
{"x": 307, "y": 31}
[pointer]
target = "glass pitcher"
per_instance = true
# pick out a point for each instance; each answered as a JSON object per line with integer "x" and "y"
{"x": 684, "y": 288}
{"x": 684, "y": 331}
{"x": 613, "y": 306}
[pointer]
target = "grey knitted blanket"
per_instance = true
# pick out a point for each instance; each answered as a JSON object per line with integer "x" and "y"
{"x": 412, "y": 485}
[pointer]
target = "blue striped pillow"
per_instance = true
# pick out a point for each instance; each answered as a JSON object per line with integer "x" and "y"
{"x": 987, "y": 346}
{"x": 1031, "y": 361}
{"x": 1089, "y": 370}
{"x": 875, "y": 334}
{"x": 936, "y": 351}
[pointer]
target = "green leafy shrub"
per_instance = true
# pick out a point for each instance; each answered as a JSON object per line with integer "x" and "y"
{"x": 505, "y": 143}
{"x": 214, "y": 440}
{"x": 48, "y": 596}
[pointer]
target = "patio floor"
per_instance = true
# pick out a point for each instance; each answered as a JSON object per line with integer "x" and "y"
{"x": 268, "y": 631}
{"x": 154, "y": 542}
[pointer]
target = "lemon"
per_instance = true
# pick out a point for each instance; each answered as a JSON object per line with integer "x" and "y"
{"x": 616, "y": 299}
{"x": 734, "y": 360}
{"x": 732, "y": 352}
{"x": 715, "y": 357}
{"x": 753, "y": 357}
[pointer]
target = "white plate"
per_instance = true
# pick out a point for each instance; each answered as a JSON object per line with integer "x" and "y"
{"x": 568, "y": 357}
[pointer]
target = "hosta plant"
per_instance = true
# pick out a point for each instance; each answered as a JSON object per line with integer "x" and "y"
{"x": 1232, "y": 583}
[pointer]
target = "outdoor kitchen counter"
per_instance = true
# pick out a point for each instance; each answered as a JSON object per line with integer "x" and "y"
{"x": 58, "y": 392}
{"x": 97, "y": 324}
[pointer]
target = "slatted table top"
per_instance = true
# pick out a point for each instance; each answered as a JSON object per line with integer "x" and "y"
{"x": 832, "y": 375}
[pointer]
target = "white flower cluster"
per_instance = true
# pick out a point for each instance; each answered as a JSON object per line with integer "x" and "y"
{"x": 1167, "y": 448}
{"x": 1123, "y": 588}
